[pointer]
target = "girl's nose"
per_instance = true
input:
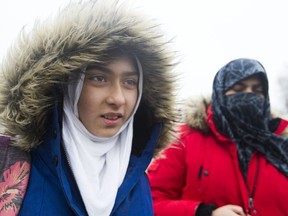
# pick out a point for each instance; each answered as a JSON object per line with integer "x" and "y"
{"x": 116, "y": 96}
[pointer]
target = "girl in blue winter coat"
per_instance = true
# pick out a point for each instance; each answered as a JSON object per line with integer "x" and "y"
{"x": 85, "y": 102}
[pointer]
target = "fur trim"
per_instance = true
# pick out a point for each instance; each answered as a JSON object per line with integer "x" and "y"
{"x": 41, "y": 61}
{"x": 195, "y": 113}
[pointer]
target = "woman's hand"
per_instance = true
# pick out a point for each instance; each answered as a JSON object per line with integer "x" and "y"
{"x": 229, "y": 210}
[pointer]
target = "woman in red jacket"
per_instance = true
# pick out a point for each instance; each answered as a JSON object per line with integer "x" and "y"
{"x": 232, "y": 156}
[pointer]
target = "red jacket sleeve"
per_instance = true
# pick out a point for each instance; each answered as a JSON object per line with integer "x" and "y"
{"x": 167, "y": 177}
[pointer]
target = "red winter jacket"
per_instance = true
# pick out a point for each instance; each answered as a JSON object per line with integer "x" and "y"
{"x": 203, "y": 167}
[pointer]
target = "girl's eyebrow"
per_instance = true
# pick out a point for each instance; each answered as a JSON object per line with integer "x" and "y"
{"x": 107, "y": 70}
{"x": 131, "y": 73}
{"x": 99, "y": 67}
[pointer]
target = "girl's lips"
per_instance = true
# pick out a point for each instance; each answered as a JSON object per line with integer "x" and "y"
{"x": 110, "y": 122}
{"x": 111, "y": 119}
{"x": 112, "y": 116}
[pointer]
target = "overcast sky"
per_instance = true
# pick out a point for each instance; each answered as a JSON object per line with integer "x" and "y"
{"x": 207, "y": 34}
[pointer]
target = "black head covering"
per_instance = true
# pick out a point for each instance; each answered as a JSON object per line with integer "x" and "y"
{"x": 245, "y": 117}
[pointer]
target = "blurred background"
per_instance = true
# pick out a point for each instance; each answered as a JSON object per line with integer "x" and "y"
{"x": 206, "y": 35}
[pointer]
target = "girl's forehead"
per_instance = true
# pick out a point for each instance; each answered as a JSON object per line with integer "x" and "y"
{"x": 117, "y": 68}
{"x": 123, "y": 59}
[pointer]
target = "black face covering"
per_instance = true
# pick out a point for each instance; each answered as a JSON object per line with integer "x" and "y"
{"x": 245, "y": 109}
{"x": 245, "y": 117}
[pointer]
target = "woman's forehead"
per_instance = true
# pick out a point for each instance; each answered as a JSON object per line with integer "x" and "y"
{"x": 234, "y": 72}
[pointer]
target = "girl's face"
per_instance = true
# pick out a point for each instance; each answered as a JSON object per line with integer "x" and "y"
{"x": 108, "y": 96}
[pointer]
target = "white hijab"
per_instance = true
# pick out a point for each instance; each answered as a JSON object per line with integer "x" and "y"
{"x": 99, "y": 164}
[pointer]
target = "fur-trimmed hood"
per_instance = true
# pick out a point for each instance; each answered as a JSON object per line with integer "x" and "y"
{"x": 195, "y": 114}
{"x": 40, "y": 62}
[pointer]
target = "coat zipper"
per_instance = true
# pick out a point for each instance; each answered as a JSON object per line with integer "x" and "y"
{"x": 251, "y": 210}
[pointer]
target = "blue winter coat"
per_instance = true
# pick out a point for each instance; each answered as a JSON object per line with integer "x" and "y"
{"x": 52, "y": 189}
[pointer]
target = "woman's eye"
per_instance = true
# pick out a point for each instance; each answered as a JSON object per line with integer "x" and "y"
{"x": 259, "y": 91}
{"x": 238, "y": 88}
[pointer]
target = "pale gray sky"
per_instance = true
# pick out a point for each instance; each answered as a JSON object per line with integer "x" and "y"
{"x": 208, "y": 34}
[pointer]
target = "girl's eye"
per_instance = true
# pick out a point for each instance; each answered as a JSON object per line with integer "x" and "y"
{"x": 131, "y": 83}
{"x": 97, "y": 78}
